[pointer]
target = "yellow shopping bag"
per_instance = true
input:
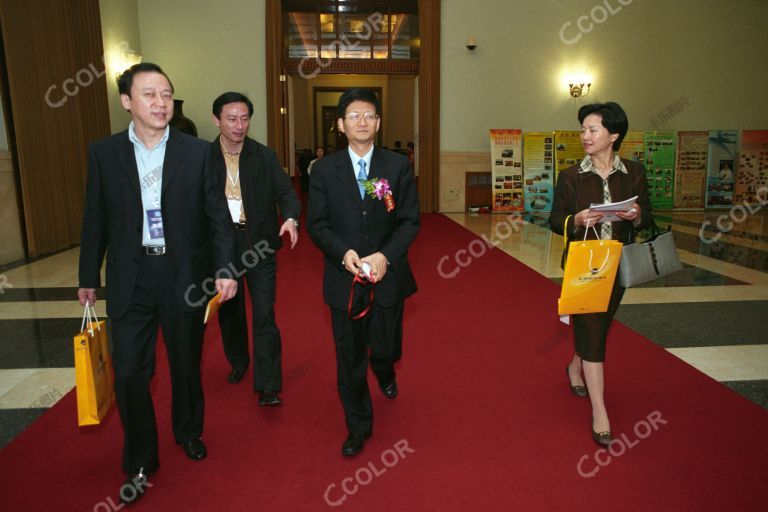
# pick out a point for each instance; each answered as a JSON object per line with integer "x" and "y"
{"x": 590, "y": 270}
{"x": 94, "y": 376}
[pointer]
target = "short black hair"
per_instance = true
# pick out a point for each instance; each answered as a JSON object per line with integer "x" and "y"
{"x": 125, "y": 80}
{"x": 614, "y": 118}
{"x": 357, "y": 94}
{"x": 231, "y": 97}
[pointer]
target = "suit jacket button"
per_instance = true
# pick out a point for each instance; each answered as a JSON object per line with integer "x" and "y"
{"x": 365, "y": 213}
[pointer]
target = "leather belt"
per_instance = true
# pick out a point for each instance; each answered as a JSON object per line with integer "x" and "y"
{"x": 153, "y": 250}
{"x": 239, "y": 225}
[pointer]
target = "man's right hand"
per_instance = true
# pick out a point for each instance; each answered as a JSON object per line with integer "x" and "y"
{"x": 352, "y": 262}
{"x": 86, "y": 295}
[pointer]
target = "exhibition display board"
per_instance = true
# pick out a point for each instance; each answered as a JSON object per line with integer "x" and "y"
{"x": 633, "y": 147}
{"x": 507, "y": 170}
{"x": 660, "y": 167}
{"x": 538, "y": 171}
{"x": 721, "y": 158}
{"x": 686, "y": 170}
{"x": 751, "y": 185}
{"x": 568, "y": 149}
{"x": 691, "y": 169}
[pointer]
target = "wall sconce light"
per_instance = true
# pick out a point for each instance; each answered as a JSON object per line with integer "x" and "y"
{"x": 579, "y": 89}
{"x": 125, "y": 60}
{"x": 471, "y": 44}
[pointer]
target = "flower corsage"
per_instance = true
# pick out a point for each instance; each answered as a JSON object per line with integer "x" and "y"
{"x": 378, "y": 188}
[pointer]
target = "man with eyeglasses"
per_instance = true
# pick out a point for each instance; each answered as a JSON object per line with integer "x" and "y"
{"x": 364, "y": 235}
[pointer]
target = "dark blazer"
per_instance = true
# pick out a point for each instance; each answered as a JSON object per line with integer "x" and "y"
{"x": 262, "y": 184}
{"x": 198, "y": 230}
{"x": 575, "y": 191}
{"x": 339, "y": 220}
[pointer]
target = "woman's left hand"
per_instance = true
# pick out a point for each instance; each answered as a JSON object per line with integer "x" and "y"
{"x": 631, "y": 215}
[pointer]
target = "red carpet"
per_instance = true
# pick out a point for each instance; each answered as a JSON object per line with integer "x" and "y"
{"x": 484, "y": 420}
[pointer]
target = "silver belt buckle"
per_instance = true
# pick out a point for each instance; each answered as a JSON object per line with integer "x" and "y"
{"x": 154, "y": 250}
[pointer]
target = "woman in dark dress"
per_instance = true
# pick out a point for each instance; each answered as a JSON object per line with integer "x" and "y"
{"x": 601, "y": 177}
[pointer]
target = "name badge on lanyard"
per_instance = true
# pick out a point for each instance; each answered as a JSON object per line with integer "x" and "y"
{"x": 234, "y": 209}
{"x": 155, "y": 223}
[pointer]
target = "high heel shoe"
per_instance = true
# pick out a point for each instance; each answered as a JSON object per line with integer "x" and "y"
{"x": 602, "y": 438}
{"x": 579, "y": 391}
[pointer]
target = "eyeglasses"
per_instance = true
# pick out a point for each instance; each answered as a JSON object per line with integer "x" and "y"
{"x": 356, "y": 116}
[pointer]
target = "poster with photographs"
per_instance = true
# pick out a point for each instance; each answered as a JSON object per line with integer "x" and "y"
{"x": 721, "y": 159}
{"x": 568, "y": 150}
{"x": 691, "y": 169}
{"x": 660, "y": 168}
{"x": 633, "y": 147}
{"x": 752, "y": 175}
{"x": 507, "y": 170}
{"x": 538, "y": 171}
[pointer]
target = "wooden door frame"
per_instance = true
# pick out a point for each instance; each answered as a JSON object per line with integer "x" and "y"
{"x": 428, "y": 94}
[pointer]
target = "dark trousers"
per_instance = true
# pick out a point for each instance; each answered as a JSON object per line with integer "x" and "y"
{"x": 381, "y": 332}
{"x": 591, "y": 329}
{"x": 260, "y": 275}
{"x": 134, "y": 337}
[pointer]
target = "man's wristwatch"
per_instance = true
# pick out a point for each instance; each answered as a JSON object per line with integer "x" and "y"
{"x": 295, "y": 223}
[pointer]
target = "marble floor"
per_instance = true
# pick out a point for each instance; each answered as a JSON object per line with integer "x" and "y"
{"x": 713, "y": 314}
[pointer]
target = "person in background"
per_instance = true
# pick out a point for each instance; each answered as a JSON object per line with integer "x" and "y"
{"x": 255, "y": 186}
{"x": 319, "y": 153}
{"x": 601, "y": 177}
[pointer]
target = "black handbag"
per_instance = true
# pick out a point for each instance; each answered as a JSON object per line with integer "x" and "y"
{"x": 656, "y": 257}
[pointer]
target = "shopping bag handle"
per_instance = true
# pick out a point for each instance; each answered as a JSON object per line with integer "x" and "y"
{"x": 587, "y": 231}
{"x": 601, "y": 267}
{"x": 90, "y": 315}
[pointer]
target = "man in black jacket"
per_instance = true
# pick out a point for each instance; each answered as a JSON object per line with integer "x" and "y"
{"x": 255, "y": 185}
{"x": 153, "y": 206}
{"x": 361, "y": 234}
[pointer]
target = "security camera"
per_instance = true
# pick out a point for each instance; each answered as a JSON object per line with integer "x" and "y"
{"x": 471, "y": 44}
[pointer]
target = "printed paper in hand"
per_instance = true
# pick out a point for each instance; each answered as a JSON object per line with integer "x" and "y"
{"x": 609, "y": 210}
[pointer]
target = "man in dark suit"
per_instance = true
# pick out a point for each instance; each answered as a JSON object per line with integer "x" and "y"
{"x": 360, "y": 234}
{"x": 255, "y": 186}
{"x": 154, "y": 206}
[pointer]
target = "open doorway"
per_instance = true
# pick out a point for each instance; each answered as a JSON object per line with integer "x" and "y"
{"x": 312, "y": 107}
{"x": 334, "y": 38}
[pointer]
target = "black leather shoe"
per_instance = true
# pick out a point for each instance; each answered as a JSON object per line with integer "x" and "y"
{"x": 390, "y": 390}
{"x": 134, "y": 487}
{"x": 354, "y": 444}
{"x": 579, "y": 391}
{"x": 269, "y": 398}
{"x": 236, "y": 375}
{"x": 195, "y": 449}
{"x": 603, "y": 439}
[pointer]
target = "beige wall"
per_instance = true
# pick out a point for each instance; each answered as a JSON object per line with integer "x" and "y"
{"x": 208, "y": 48}
{"x": 646, "y": 56}
{"x": 119, "y": 30}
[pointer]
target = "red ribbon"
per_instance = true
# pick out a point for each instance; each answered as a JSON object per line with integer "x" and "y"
{"x": 363, "y": 282}
{"x": 390, "y": 202}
